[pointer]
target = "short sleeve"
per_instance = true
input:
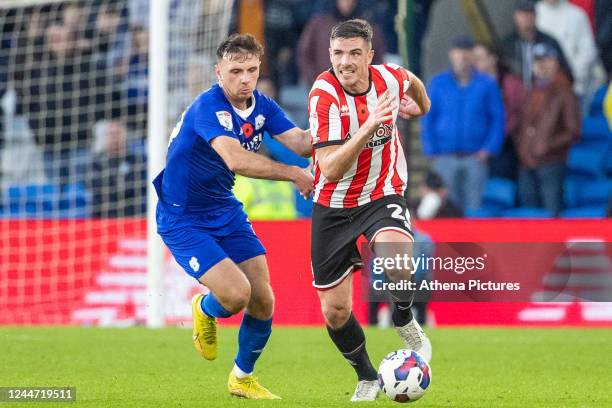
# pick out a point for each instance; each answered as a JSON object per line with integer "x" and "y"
{"x": 210, "y": 123}
{"x": 401, "y": 74}
{"x": 325, "y": 123}
{"x": 277, "y": 121}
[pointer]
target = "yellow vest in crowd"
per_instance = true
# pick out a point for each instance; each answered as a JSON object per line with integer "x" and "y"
{"x": 266, "y": 199}
{"x": 608, "y": 105}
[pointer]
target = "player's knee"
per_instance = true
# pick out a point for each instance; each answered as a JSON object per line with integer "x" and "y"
{"x": 262, "y": 306}
{"x": 236, "y": 298}
{"x": 336, "y": 315}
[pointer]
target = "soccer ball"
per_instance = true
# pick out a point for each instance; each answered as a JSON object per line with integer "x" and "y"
{"x": 404, "y": 376}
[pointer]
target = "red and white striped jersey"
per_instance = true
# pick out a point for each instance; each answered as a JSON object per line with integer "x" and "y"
{"x": 335, "y": 116}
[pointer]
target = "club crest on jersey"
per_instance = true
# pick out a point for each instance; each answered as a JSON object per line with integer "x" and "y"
{"x": 381, "y": 135}
{"x": 259, "y": 121}
{"x": 225, "y": 119}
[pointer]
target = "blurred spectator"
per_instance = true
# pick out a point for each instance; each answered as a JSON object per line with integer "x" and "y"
{"x": 313, "y": 45}
{"x": 137, "y": 79}
{"x": 282, "y": 33}
{"x": 118, "y": 177}
{"x": 110, "y": 36}
{"x": 603, "y": 32}
{"x": 62, "y": 92}
{"x": 73, "y": 18}
{"x": 488, "y": 60}
{"x": 464, "y": 127}
{"x": 434, "y": 200}
{"x": 419, "y": 22}
{"x": 549, "y": 125}
{"x": 518, "y": 46}
{"x": 569, "y": 25}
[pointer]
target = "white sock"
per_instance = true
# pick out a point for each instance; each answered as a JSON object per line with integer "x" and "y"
{"x": 239, "y": 373}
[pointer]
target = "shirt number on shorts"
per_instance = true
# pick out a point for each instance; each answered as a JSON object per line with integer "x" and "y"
{"x": 397, "y": 214}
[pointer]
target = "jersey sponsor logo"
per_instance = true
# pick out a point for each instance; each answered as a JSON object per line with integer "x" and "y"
{"x": 380, "y": 136}
{"x": 259, "y": 121}
{"x": 225, "y": 119}
{"x": 252, "y": 144}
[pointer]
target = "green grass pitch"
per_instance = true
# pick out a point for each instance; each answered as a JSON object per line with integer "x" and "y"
{"x": 472, "y": 367}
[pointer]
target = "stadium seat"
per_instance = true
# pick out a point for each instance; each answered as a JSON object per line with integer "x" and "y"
{"x": 586, "y": 161}
{"x": 585, "y": 212}
{"x": 596, "y": 105}
{"x": 32, "y": 198}
{"x": 571, "y": 192}
{"x": 594, "y": 193}
{"x": 499, "y": 192}
{"x": 596, "y": 129}
{"x": 527, "y": 212}
{"x": 483, "y": 212}
{"x": 74, "y": 196}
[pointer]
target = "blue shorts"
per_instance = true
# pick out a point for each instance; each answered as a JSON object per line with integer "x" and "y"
{"x": 197, "y": 246}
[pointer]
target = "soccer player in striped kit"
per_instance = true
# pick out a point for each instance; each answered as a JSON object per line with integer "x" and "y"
{"x": 360, "y": 179}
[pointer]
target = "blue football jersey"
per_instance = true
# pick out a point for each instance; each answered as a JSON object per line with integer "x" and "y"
{"x": 196, "y": 179}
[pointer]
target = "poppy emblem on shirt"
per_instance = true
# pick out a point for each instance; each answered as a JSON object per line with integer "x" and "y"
{"x": 247, "y": 129}
{"x": 362, "y": 113}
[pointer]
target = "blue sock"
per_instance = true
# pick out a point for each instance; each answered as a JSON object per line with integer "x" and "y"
{"x": 252, "y": 339}
{"x": 212, "y": 307}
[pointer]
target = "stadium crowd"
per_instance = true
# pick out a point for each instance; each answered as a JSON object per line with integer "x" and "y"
{"x": 516, "y": 128}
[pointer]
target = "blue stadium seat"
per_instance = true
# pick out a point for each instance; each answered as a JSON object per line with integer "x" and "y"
{"x": 571, "y": 191}
{"x": 499, "y": 192}
{"x": 608, "y": 164}
{"x": 74, "y": 196}
{"x": 586, "y": 161}
{"x": 596, "y": 106}
{"x": 483, "y": 212}
{"x": 594, "y": 193}
{"x": 32, "y": 198}
{"x": 596, "y": 129}
{"x": 527, "y": 212}
{"x": 585, "y": 212}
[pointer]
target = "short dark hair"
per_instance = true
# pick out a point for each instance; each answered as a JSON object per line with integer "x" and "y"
{"x": 355, "y": 28}
{"x": 244, "y": 44}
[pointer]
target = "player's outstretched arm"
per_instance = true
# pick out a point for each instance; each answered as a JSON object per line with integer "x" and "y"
{"x": 297, "y": 140}
{"x": 334, "y": 161}
{"x": 252, "y": 165}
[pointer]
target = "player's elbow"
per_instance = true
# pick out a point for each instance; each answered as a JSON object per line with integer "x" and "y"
{"x": 235, "y": 164}
{"x": 332, "y": 175}
{"x": 426, "y": 105}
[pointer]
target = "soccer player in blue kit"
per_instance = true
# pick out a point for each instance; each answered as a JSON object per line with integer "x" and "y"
{"x": 202, "y": 222}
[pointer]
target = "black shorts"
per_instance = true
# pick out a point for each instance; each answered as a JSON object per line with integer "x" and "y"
{"x": 335, "y": 231}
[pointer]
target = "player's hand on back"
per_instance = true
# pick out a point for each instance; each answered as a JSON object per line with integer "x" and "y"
{"x": 304, "y": 181}
{"x": 408, "y": 108}
{"x": 383, "y": 112}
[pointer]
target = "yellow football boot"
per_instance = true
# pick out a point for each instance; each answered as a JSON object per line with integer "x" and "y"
{"x": 248, "y": 387}
{"x": 204, "y": 330}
